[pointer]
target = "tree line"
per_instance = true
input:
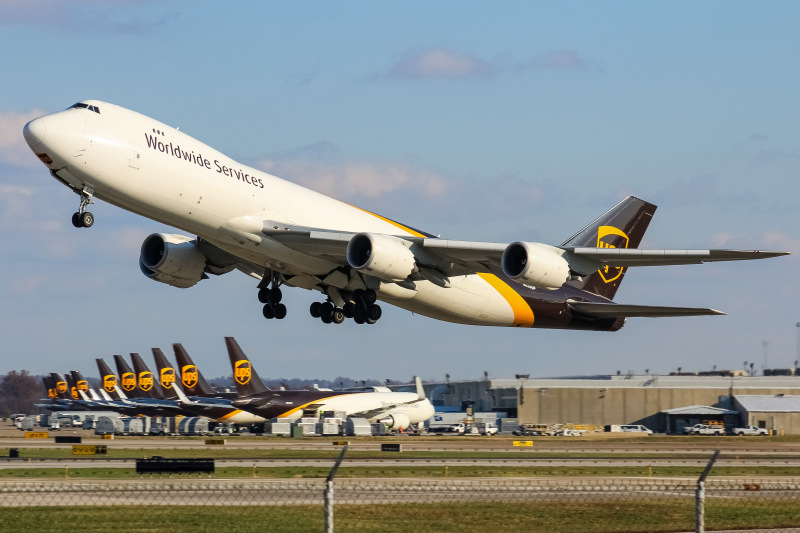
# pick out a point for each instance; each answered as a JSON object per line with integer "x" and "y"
{"x": 20, "y": 392}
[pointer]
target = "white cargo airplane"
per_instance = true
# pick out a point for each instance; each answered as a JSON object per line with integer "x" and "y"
{"x": 284, "y": 234}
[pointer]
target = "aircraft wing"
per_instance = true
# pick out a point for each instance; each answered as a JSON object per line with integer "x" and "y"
{"x": 610, "y": 310}
{"x": 462, "y": 257}
{"x": 620, "y": 257}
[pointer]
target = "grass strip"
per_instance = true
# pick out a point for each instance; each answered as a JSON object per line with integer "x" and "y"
{"x": 379, "y": 471}
{"x": 606, "y": 515}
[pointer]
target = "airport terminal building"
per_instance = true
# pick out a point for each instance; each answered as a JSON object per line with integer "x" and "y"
{"x": 664, "y": 404}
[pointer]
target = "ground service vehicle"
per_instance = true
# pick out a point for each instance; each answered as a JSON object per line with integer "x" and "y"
{"x": 750, "y": 430}
{"x": 704, "y": 429}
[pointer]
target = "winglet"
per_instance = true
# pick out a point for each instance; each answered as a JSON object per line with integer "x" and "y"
{"x": 182, "y": 398}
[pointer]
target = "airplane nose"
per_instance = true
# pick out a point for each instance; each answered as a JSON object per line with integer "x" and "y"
{"x": 34, "y": 132}
{"x": 56, "y": 139}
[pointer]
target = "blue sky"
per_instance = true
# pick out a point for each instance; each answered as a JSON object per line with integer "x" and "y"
{"x": 474, "y": 120}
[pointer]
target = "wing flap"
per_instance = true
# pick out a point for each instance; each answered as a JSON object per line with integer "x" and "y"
{"x": 610, "y": 310}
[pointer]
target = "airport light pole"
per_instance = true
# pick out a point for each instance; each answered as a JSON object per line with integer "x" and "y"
{"x": 797, "y": 360}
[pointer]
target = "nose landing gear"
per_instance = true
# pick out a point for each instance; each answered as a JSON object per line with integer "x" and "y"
{"x": 83, "y": 218}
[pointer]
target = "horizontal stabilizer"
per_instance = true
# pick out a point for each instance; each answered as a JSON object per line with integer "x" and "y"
{"x": 620, "y": 257}
{"x": 604, "y": 310}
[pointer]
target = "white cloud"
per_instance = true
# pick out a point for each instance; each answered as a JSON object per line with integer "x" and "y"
{"x": 439, "y": 63}
{"x": 559, "y": 60}
{"x": 769, "y": 240}
{"x": 86, "y": 15}
{"x": 13, "y": 149}
{"x": 352, "y": 180}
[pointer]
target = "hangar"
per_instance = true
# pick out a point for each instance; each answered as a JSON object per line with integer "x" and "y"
{"x": 780, "y": 413}
{"x": 623, "y": 399}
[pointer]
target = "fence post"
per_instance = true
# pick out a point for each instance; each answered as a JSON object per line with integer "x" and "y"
{"x": 700, "y": 497}
{"x": 328, "y": 494}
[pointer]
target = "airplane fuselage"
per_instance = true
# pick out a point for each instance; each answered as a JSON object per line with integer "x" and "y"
{"x": 151, "y": 169}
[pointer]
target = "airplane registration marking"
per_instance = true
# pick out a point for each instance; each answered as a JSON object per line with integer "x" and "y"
{"x": 523, "y": 314}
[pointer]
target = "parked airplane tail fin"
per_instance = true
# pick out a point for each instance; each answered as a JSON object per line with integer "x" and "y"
{"x": 127, "y": 377}
{"x": 623, "y": 226}
{"x": 166, "y": 374}
{"x": 194, "y": 384}
{"x": 108, "y": 377}
{"x": 145, "y": 379}
{"x": 420, "y": 390}
{"x": 247, "y": 380}
{"x": 50, "y": 386}
{"x": 60, "y": 385}
{"x": 81, "y": 386}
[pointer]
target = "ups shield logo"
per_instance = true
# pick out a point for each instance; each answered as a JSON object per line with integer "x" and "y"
{"x": 167, "y": 376}
{"x": 74, "y": 392}
{"x": 611, "y": 237}
{"x": 83, "y": 385}
{"x": 109, "y": 383}
{"x": 146, "y": 381}
{"x": 242, "y": 372}
{"x": 61, "y": 387}
{"x": 128, "y": 381}
{"x": 189, "y": 375}
{"x": 51, "y": 393}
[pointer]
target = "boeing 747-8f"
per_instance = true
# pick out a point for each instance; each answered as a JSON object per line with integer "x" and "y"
{"x": 288, "y": 236}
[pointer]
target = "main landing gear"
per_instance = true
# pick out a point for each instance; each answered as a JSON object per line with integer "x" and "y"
{"x": 83, "y": 218}
{"x": 271, "y": 298}
{"x": 362, "y": 309}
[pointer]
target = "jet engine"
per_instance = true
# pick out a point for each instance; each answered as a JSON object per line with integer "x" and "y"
{"x": 396, "y": 421}
{"x": 535, "y": 264}
{"x": 385, "y": 257}
{"x": 172, "y": 259}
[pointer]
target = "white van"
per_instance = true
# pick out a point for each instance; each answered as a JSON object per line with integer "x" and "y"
{"x": 635, "y": 429}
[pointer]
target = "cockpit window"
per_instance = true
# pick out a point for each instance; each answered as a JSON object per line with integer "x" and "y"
{"x": 81, "y": 105}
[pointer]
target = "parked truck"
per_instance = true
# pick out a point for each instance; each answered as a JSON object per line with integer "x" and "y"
{"x": 750, "y": 430}
{"x": 704, "y": 429}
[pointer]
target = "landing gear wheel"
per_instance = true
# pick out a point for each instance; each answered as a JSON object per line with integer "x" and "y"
{"x": 359, "y": 315}
{"x": 338, "y": 316}
{"x": 279, "y": 310}
{"x": 326, "y": 312}
{"x": 275, "y": 296}
{"x": 374, "y": 313}
{"x": 87, "y": 219}
{"x": 370, "y": 297}
{"x": 269, "y": 314}
{"x": 316, "y": 309}
{"x": 76, "y": 220}
{"x": 370, "y": 320}
{"x": 348, "y": 309}
{"x": 263, "y": 295}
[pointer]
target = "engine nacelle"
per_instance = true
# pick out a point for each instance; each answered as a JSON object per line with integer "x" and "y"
{"x": 172, "y": 259}
{"x": 385, "y": 257}
{"x": 396, "y": 421}
{"x": 535, "y": 265}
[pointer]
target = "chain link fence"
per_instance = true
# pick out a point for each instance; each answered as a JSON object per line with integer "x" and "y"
{"x": 345, "y": 504}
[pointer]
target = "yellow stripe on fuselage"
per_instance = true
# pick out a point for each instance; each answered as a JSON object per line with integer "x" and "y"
{"x": 318, "y": 400}
{"x": 523, "y": 314}
{"x": 229, "y": 415}
{"x": 393, "y": 223}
